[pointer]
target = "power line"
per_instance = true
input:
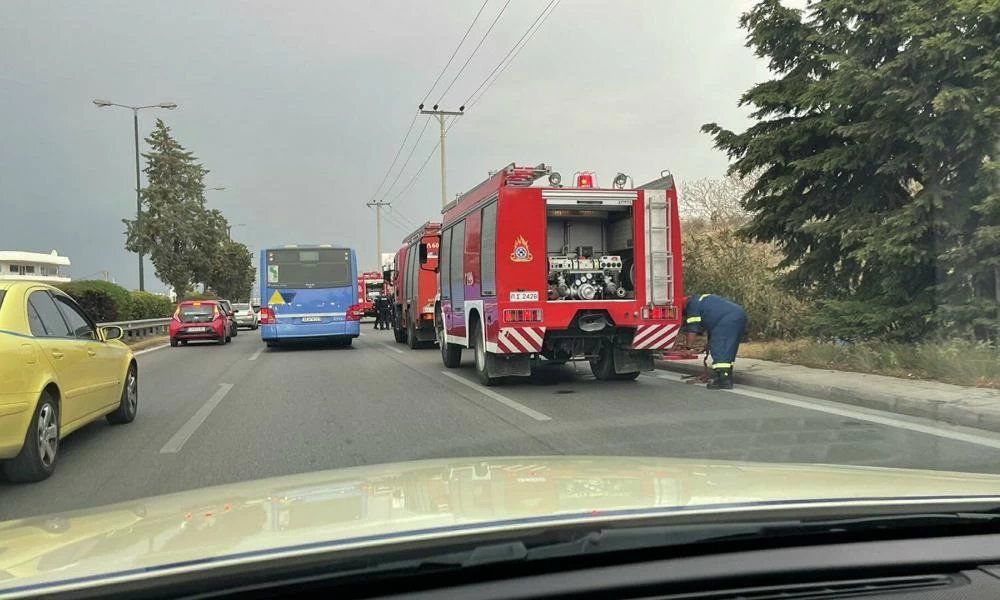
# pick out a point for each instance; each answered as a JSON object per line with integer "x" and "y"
{"x": 388, "y": 190}
{"x": 396, "y": 158}
{"x": 474, "y": 50}
{"x": 414, "y": 120}
{"x": 453, "y": 54}
{"x": 512, "y": 53}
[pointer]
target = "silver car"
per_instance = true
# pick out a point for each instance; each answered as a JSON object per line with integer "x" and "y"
{"x": 245, "y": 315}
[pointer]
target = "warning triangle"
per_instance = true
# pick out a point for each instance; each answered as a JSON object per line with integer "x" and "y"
{"x": 276, "y": 298}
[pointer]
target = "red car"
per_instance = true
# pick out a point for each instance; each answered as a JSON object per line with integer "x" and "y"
{"x": 199, "y": 320}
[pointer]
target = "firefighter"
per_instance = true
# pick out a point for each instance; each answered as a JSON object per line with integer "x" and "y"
{"x": 383, "y": 311}
{"x": 378, "y": 311}
{"x": 725, "y": 322}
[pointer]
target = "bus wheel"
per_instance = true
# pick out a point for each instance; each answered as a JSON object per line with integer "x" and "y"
{"x": 451, "y": 354}
{"x": 482, "y": 371}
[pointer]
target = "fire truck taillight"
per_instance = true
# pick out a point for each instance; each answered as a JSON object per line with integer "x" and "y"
{"x": 585, "y": 180}
{"x": 659, "y": 312}
{"x": 522, "y": 315}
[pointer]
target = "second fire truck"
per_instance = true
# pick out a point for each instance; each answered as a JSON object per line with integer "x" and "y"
{"x": 415, "y": 286}
{"x": 532, "y": 269}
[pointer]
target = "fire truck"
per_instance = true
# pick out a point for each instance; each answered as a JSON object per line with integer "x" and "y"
{"x": 415, "y": 286}
{"x": 370, "y": 286}
{"x": 535, "y": 270}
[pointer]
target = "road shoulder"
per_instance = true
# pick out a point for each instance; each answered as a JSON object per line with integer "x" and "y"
{"x": 957, "y": 405}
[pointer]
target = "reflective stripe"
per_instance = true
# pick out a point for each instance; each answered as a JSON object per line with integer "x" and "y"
{"x": 722, "y": 366}
{"x": 703, "y": 296}
{"x": 693, "y": 320}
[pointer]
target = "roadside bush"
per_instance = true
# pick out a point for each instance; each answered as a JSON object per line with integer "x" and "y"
{"x": 102, "y": 300}
{"x": 959, "y": 362}
{"x": 198, "y": 296}
{"x": 720, "y": 261}
{"x": 150, "y": 306}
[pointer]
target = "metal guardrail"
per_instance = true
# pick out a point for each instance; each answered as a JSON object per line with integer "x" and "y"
{"x": 144, "y": 328}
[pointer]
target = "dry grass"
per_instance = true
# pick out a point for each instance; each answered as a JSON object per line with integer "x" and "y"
{"x": 143, "y": 343}
{"x": 956, "y": 362}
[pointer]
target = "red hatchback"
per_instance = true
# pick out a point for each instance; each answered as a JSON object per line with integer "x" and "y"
{"x": 199, "y": 320}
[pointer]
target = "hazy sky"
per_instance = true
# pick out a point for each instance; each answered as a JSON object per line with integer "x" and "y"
{"x": 297, "y": 108}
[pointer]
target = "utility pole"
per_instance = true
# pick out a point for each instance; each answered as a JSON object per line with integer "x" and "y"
{"x": 441, "y": 114}
{"x": 378, "y": 204}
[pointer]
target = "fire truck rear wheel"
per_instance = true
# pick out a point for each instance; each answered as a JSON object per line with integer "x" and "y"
{"x": 451, "y": 354}
{"x": 480, "y": 351}
{"x": 603, "y": 367}
{"x": 411, "y": 334}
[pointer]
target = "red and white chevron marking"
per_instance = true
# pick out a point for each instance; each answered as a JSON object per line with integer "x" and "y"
{"x": 519, "y": 340}
{"x": 655, "y": 337}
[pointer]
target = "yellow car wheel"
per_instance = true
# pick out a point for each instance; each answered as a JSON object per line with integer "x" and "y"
{"x": 37, "y": 459}
{"x": 129, "y": 403}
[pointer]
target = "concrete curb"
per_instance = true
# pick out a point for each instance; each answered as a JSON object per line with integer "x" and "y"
{"x": 957, "y": 405}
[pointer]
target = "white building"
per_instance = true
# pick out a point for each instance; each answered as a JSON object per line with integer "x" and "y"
{"x": 33, "y": 266}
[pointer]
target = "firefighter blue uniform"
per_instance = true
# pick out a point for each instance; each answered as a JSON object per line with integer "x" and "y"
{"x": 725, "y": 322}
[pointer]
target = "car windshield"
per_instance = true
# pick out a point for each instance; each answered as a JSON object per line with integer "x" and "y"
{"x": 338, "y": 272}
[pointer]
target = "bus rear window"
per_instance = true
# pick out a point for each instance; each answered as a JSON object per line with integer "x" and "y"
{"x": 312, "y": 268}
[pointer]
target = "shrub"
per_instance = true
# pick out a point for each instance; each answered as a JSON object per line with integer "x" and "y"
{"x": 102, "y": 300}
{"x": 150, "y": 306}
{"x": 720, "y": 261}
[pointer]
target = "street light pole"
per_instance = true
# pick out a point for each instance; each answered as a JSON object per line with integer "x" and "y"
{"x": 138, "y": 183}
{"x": 441, "y": 114}
{"x": 138, "y": 194}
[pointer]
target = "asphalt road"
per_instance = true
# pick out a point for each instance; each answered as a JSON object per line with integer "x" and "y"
{"x": 218, "y": 414}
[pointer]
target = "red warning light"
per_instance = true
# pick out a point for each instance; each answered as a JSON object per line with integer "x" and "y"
{"x": 585, "y": 180}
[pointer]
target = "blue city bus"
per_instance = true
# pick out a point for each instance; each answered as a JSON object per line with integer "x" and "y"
{"x": 309, "y": 292}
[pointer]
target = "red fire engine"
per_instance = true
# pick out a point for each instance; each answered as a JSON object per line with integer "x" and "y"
{"x": 370, "y": 286}
{"x": 562, "y": 273}
{"x": 415, "y": 286}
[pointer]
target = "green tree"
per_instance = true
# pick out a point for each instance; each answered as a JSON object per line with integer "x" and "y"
{"x": 877, "y": 146}
{"x": 178, "y": 232}
{"x": 232, "y": 272}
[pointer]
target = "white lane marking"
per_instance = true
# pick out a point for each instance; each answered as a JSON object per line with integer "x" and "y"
{"x": 175, "y": 443}
{"x": 149, "y": 349}
{"x": 393, "y": 348}
{"x": 534, "y": 414}
{"x": 861, "y": 416}
{"x": 256, "y": 354}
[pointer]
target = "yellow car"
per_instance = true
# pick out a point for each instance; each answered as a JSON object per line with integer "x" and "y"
{"x": 58, "y": 372}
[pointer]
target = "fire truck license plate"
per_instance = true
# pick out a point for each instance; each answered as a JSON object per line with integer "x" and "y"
{"x": 524, "y": 296}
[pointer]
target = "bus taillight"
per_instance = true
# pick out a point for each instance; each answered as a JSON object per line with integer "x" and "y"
{"x": 267, "y": 316}
{"x": 355, "y": 312}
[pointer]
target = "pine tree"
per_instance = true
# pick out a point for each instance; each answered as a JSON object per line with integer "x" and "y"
{"x": 178, "y": 232}
{"x": 877, "y": 142}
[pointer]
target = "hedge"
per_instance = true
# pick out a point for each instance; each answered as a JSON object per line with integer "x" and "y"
{"x": 106, "y": 302}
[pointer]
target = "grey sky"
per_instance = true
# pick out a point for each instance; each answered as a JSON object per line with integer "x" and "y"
{"x": 297, "y": 108}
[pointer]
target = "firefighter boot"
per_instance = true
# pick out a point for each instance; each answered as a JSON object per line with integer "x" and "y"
{"x": 723, "y": 380}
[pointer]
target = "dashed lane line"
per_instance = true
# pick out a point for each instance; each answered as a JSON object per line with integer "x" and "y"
{"x": 256, "y": 354}
{"x": 175, "y": 443}
{"x": 393, "y": 348}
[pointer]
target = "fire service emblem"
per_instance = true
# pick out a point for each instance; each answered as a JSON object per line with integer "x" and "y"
{"x": 521, "y": 252}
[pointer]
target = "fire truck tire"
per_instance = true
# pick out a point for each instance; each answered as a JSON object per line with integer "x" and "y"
{"x": 626, "y": 376}
{"x": 411, "y": 335}
{"x": 451, "y": 354}
{"x": 479, "y": 348}
{"x": 399, "y": 335}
